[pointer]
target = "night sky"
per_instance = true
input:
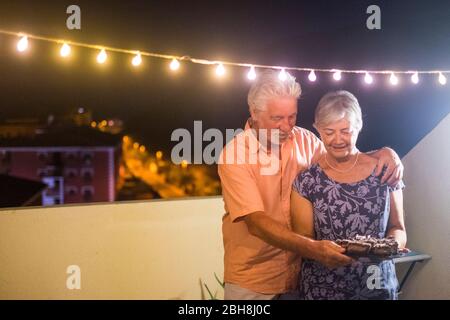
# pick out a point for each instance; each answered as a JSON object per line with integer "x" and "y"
{"x": 153, "y": 101}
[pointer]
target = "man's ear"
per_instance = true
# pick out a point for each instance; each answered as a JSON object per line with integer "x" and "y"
{"x": 253, "y": 114}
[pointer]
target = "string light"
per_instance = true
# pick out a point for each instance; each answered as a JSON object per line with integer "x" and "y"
{"x": 174, "y": 65}
{"x": 312, "y": 76}
{"x": 368, "y": 78}
{"x": 101, "y": 57}
{"x": 442, "y": 79}
{"x": 220, "y": 70}
{"x": 393, "y": 79}
{"x": 137, "y": 60}
{"x": 415, "y": 78}
{"x": 65, "y": 50}
{"x": 337, "y": 75}
{"x": 22, "y": 44}
{"x": 251, "y": 75}
{"x": 282, "y": 75}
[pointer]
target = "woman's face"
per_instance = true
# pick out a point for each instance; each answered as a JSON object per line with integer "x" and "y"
{"x": 339, "y": 138}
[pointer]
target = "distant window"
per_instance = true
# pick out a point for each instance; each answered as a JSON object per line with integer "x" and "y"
{"x": 42, "y": 156}
{"x": 87, "y": 157}
{"x": 48, "y": 201}
{"x": 71, "y": 173}
{"x": 88, "y": 193}
{"x": 71, "y": 156}
{"x": 56, "y": 158}
{"x": 87, "y": 174}
{"x": 71, "y": 190}
{"x": 54, "y": 184}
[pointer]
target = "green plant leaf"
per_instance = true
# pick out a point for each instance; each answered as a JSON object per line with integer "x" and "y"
{"x": 222, "y": 283}
{"x": 213, "y": 297}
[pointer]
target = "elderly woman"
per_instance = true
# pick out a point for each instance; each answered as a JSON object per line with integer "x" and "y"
{"x": 341, "y": 197}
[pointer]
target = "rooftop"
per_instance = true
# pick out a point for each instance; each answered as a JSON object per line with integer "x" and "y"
{"x": 67, "y": 136}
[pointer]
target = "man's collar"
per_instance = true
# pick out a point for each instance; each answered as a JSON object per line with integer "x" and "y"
{"x": 253, "y": 136}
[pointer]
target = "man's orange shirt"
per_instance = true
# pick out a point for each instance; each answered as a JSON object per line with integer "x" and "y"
{"x": 249, "y": 187}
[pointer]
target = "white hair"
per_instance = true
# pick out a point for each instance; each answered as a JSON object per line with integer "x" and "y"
{"x": 337, "y": 105}
{"x": 268, "y": 86}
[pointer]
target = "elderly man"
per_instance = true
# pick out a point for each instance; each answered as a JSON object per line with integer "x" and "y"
{"x": 261, "y": 251}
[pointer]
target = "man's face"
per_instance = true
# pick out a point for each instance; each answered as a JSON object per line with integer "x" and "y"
{"x": 339, "y": 138}
{"x": 279, "y": 118}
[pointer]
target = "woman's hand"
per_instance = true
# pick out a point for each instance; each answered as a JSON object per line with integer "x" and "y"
{"x": 404, "y": 250}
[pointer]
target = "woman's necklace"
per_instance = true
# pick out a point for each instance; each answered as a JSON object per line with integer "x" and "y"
{"x": 342, "y": 171}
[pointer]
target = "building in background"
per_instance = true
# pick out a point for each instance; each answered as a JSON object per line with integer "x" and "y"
{"x": 80, "y": 160}
{"x": 77, "y": 163}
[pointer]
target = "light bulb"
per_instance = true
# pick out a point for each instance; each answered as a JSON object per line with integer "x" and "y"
{"x": 251, "y": 75}
{"x": 368, "y": 78}
{"x": 337, "y": 75}
{"x": 442, "y": 79}
{"x": 415, "y": 78}
{"x": 220, "y": 70}
{"x": 312, "y": 76}
{"x": 65, "y": 50}
{"x": 137, "y": 60}
{"x": 282, "y": 75}
{"x": 174, "y": 65}
{"x": 22, "y": 45}
{"x": 101, "y": 57}
{"x": 393, "y": 79}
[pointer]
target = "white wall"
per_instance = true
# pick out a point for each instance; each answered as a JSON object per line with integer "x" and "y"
{"x": 136, "y": 250}
{"x": 427, "y": 210}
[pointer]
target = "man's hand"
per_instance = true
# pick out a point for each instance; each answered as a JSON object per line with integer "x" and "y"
{"x": 330, "y": 254}
{"x": 390, "y": 159}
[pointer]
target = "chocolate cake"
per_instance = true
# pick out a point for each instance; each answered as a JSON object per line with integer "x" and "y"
{"x": 367, "y": 245}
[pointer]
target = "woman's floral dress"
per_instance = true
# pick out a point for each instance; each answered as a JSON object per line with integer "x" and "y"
{"x": 342, "y": 211}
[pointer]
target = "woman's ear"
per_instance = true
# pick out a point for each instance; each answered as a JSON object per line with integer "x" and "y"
{"x": 315, "y": 127}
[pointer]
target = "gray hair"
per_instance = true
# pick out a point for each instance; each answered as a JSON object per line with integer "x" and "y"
{"x": 338, "y": 105}
{"x": 268, "y": 86}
